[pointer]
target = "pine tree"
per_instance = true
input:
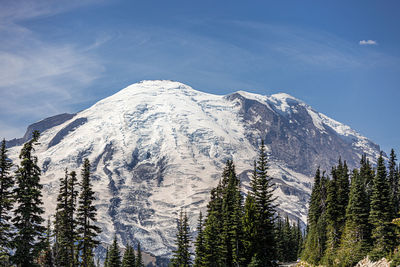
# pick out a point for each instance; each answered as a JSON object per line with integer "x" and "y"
{"x": 139, "y": 259}
{"x": 70, "y": 233}
{"x": 354, "y": 243}
{"x": 394, "y": 182}
{"x": 280, "y": 240}
{"x": 290, "y": 246}
{"x": 129, "y": 259}
{"x": 300, "y": 239}
{"x": 367, "y": 175}
{"x": 199, "y": 244}
{"x": 232, "y": 213}
{"x": 381, "y": 213}
{"x": 213, "y": 229}
{"x": 114, "y": 256}
{"x": 6, "y": 200}
{"x": 315, "y": 242}
{"x": 29, "y": 231}
{"x": 86, "y": 218}
{"x": 47, "y": 259}
{"x": 263, "y": 195}
{"x": 249, "y": 228}
{"x": 333, "y": 217}
{"x": 343, "y": 188}
{"x": 63, "y": 257}
{"x": 181, "y": 257}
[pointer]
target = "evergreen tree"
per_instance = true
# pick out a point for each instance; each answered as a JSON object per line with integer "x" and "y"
{"x": 114, "y": 256}
{"x": 343, "y": 188}
{"x": 86, "y": 218}
{"x": 6, "y": 200}
{"x": 232, "y": 232}
{"x": 315, "y": 242}
{"x": 47, "y": 254}
{"x": 249, "y": 228}
{"x": 290, "y": 241}
{"x": 381, "y": 213}
{"x": 354, "y": 243}
{"x": 287, "y": 240}
{"x": 63, "y": 257}
{"x": 263, "y": 195}
{"x": 71, "y": 223}
{"x": 181, "y": 257}
{"x": 213, "y": 229}
{"x": 129, "y": 259}
{"x": 29, "y": 231}
{"x": 367, "y": 175}
{"x": 394, "y": 182}
{"x": 139, "y": 259}
{"x": 333, "y": 217}
{"x": 280, "y": 240}
{"x": 300, "y": 239}
{"x": 199, "y": 244}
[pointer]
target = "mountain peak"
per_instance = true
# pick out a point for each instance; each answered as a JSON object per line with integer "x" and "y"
{"x": 284, "y": 96}
{"x": 158, "y": 85}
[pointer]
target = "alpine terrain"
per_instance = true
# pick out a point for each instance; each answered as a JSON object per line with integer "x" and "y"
{"x": 157, "y": 147}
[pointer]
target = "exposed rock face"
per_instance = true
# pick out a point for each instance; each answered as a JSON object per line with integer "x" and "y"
{"x": 40, "y": 126}
{"x": 159, "y": 146}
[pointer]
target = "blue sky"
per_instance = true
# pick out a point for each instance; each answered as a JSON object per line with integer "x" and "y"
{"x": 340, "y": 57}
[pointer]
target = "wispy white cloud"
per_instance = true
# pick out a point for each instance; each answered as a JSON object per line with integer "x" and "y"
{"x": 367, "y": 42}
{"x": 38, "y": 77}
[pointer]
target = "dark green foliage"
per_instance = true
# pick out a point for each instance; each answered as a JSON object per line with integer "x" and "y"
{"x": 114, "y": 256}
{"x": 381, "y": 213}
{"x": 367, "y": 175}
{"x": 6, "y": 201}
{"x": 368, "y": 227}
{"x": 65, "y": 221}
{"x": 333, "y": 218}
{"x": 262, "y": 191}
{"x": 129, "y": 259}
{"x": 249, "y": 227}
{"x": 139, "y": 259}
{"x": 86, "y": 218}
{"x": 316, "y": 235}
{"x": 354, "y": 243}
{"x": 393, "y": 178}
{"x": 213, "y": 229}
{"x": 71, "y": 223}
{"x": 181, "y": 255}
{"x": 29, "y": 232}
{"x": 232, "y": 211}
{"x": 199, "y": 244}
{"x": 63, "y": 258}
{"x": 223, "y": 236}
{"x": 46, "y": 257}
{"x": 287, "y": 240}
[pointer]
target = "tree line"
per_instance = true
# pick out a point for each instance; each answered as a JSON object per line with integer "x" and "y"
{"x": 24, "y": 240}
{"x": 351, "y": 214}
{"x": 236, "y": 232}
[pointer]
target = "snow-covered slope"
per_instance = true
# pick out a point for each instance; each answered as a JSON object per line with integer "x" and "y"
{"x": 159, "y": 146}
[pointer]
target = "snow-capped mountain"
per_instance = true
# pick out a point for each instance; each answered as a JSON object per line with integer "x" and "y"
{"x": 159, "y": 146}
